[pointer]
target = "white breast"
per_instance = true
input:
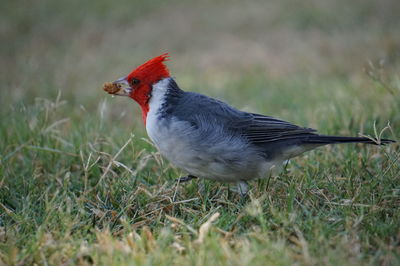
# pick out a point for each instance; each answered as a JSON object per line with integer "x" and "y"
{"x": 164, "y": 132}
{"x": 175, "y": 141}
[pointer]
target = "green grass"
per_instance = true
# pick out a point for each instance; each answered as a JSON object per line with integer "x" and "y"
{"x": 81, "y": 184}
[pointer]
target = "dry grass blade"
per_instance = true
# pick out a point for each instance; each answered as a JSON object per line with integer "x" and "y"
{"x": 204, "y": 228}
{"x": 179, "y": 221}
{"x": 112, "y": 160}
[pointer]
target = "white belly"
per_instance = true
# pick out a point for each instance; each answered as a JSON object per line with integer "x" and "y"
{"x": 221, "y": 161}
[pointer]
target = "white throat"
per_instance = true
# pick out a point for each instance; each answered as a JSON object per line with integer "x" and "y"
{"x": 157, "y": 99}
{"x": 158, "y": 94}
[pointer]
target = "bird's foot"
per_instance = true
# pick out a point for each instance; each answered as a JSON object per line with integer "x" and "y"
{"x": 185, "y": 178}
{"x": 242, "y": 188}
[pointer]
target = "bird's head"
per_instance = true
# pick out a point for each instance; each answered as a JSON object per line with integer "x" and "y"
{"x": 138, "y": 84}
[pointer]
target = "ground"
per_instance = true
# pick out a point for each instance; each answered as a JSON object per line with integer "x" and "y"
{"x": 81, "y": 184}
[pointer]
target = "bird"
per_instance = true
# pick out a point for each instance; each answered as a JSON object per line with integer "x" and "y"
{"x": 207, "y": 138}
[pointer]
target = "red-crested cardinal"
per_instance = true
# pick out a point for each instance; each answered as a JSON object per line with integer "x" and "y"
{"x": 210, "y": 139}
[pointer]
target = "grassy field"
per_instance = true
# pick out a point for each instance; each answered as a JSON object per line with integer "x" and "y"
{"x": 80, "y": 183}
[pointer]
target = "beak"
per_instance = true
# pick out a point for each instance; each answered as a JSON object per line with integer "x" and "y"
{"x": 125, "y": 88}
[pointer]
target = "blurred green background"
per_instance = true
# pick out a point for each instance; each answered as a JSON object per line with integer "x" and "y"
{"x": 265, "y": 56}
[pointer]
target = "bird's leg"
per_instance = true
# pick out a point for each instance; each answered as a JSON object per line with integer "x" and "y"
{"x": 242, "y": 188}
{"x": 185, "y": 178}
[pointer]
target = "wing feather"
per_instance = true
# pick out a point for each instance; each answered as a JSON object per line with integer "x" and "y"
{"x": 269, "y": 129}
{"x": 258, "y": 129}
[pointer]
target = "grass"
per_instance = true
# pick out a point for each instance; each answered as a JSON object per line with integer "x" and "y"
{"x": 81, "y": 184}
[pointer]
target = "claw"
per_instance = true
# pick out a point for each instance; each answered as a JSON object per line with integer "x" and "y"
{"x": 185, "y": 178}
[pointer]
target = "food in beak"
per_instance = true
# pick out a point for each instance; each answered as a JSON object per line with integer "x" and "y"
{"x": 112, "y": 88}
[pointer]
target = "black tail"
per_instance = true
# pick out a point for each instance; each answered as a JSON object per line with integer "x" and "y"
{"x": 322, "y": 139}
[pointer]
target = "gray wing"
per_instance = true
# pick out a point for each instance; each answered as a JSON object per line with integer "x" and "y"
{"x": 264, "y": 129}
{"x": 258, "y": 129}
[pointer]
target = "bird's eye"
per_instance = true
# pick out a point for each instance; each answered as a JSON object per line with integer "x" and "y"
{"x": 134, "y": 81}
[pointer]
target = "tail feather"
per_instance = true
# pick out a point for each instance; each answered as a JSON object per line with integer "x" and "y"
{"x": 323, "y": 139}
